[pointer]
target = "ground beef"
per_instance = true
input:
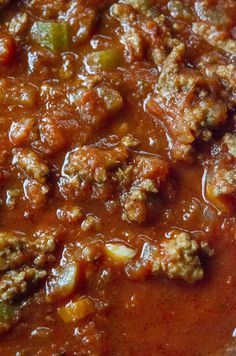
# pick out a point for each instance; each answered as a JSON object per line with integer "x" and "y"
{"x": 23, "y": 262}
{"x": 16, "y": 283}
{"x": 92, "y": 163}
{"x": 185, "y": 100}
{"x": 179, "y": 11}
{"x": 31, "y": 163}
{"x": 143, "y": 31}
{"x": 12, "y": 251}
{"x": 221, "y": 178}
{"x": 36, "y": 193}
{"x": 215, "y": 37}
{"x": 147, "y": 175}
{"x": 230, "y": 141}
{"x": 35, "y": 172}
{"x": 102, "y": 171}
{"x": 16, "y": 94}
{"x": 45, "y": 244}
{"x": 23, "y": 131}
{"x": 228, "y": 74}
{"x": 178, "y": 257}
{"x": 213, "y": 13}
{"x": 82, "y": 19}
{"x": 90, "y": 167}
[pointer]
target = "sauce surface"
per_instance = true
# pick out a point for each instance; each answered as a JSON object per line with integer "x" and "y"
{"x": 118, "y": 177}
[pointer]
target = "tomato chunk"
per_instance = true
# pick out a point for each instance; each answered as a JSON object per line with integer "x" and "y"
{"x": 7, "y": 48}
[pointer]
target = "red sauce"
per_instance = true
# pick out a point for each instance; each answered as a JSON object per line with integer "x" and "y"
{"x": 118, "y": 177}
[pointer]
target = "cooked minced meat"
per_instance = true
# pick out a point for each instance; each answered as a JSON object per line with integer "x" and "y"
{"x": 31, "y": 164}
{"x": 147, "y": 175}
{"x": 16, "y": 283}
{"x": 13, "y": 251}
{"x": 35, "y": 172}
{"x": 190, "y": 109}
{"x": 23, "y": 262}
{"x": 221, "y": 178}
{"x": 92, "y": 163}
{"x": 227, "y": 73}
{"x": 230, "y": 141}
{"x": 179, "y": 259}
{"x": 214, "y": 36}
{"x": 101, "y": 169}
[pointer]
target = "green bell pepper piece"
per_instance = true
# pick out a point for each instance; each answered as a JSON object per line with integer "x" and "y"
{"x": 107, "y": 59}
{"x": 51, "y": 35}
{"x": 7, "y": 312}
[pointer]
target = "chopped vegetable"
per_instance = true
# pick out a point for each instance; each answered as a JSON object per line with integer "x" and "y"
{"x": 51, "y": 35}
{"x": 105, "y": 60}
{"x": 19, "y": 23}
{"x": 111, "y": 97}
{"x": 63, "y": 282}
{"x": 8, "y": 317}
{"x": 149, "y": 252}
{"x": 76, "y": 310}
{"x": 119, "y": 252}
{"x": 7, "y": 312}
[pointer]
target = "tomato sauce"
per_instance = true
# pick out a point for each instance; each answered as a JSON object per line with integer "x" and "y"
{"x": 118, "y": 177}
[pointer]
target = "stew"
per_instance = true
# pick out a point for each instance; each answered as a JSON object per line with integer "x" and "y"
{"x": 118, "y": 177}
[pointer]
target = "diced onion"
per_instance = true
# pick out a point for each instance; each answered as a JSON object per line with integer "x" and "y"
{"x": 119, "y": 252}
{"x": 149, "y": 252}
{"x": 62, "y": 283}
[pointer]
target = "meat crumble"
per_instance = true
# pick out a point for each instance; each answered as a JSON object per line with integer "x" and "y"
{"x": 117, "y": 177}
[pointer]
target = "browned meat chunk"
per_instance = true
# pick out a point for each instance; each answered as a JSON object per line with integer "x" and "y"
{"x": 31, "y": 164}
{"x": 22, "y": 262}
{"x": 98, "y": 170}
{"x": 91, "y": 166}
{"x": 177, "y": 258}
{"x": 36, "y": 172}
{"x": 12, "y": 251}
{"x": 221, "y": 178}
{"x": 180, "y": 11}
{"x": 189, "y": 108}
{"x": 23, "y": 131}
{"x": 143, "y": 31}
{"x": 45, "y": 244}
{"x": 229, "y": 140}
{"x": 215, "y": 37}
{"x": 93, "y": 163}
{"x": 17, "y": 283}
{"x": 227, "y": 73}
{"x": 51, "y": 134}
{"x": 82, "y": 20}
{"x": 147, "y": 176}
